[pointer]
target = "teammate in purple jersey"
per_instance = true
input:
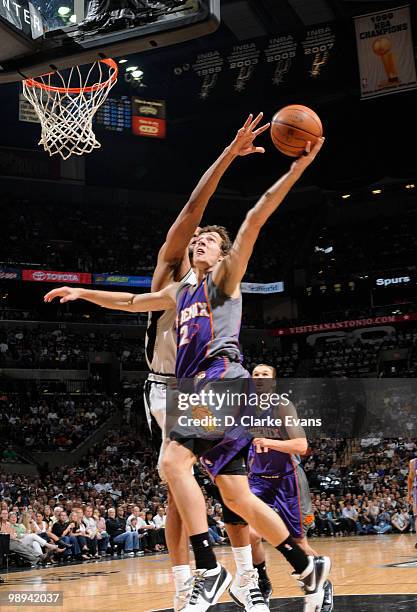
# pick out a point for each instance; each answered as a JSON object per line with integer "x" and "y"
{"x": 277, "y": 477}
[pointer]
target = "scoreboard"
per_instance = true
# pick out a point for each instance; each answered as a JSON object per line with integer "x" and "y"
{"x": 115, "y": 114}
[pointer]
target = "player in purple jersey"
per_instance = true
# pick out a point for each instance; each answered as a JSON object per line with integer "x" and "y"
{"x": 219, "y": 273}
{"x": 208, "y": 317}
{"x": 276, "y": 476}
{"x": 173, "y": 264}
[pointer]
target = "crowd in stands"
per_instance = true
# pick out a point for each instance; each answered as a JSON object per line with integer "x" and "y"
{"x": 286, "y": 364}
{"x": 52, "y": 422}
{"x": 59, "y": 237}
{"x": 375, "y": 500}
{"x": 113, "y": 502}
{"x": 23, "y": 347}
{"x": 68, "y": 347}
{"x": 349, "y": 358}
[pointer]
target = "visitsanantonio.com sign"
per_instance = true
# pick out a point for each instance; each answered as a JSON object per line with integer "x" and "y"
{"x": 342, "y": 325}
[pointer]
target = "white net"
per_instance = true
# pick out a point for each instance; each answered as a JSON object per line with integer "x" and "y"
{"x": 67, "y": 104}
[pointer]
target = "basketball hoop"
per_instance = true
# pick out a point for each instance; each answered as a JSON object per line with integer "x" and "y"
{"x": 66, "y": 106}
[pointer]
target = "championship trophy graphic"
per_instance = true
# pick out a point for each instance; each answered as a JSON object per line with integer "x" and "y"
{"x": 382, "y": 48}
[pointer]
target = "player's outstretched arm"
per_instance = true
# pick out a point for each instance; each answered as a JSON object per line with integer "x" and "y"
{"x": 131, "y": 302}
{"x": 230, "y": 271}
{"x": 174, "y": 252}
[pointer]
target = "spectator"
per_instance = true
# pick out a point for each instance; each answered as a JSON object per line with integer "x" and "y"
{"x": 25, "y": 552}
{"x": 383, "y": 524}
{"x": 336, "y": 521}
{"x": 215, "y": 537}
{"x": 62, "y": 530}
{"x": 350, "y": 514}
{"x": 400, "y": 521}
{"x": 103, "y": 537}
{"x": 134, "y": 528}
{"x": 116, "y": 528}
{"x": 159, "y": 521}
{"x": 364, "y": 524}
{"x": 91, "y": 532}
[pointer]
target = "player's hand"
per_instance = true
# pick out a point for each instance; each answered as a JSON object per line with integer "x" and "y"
{"x": 243, "y": 144}
{"x": 308, "y": 156}
{"x": 410, "y": 499}
{"x": 261, "y": 444}
{"x": 67, "y": 294}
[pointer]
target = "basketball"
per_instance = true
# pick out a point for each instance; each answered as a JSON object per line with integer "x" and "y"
{"x": 292, "y": 127}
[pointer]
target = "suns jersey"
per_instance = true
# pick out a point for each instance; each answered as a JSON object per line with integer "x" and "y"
{"x": 160, "y": 337}
{"x": 271, "y": 463}
{"x": 208, "y": 326}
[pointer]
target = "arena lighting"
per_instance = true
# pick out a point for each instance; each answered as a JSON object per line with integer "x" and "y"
{"x": 122, "y": 61}
{"x": 410, "y": 186}
{"x": 63, "y": 11}
{"x": 345, "y": 196}
{"x": 73, "y": 19}
{"x": 137, "y": 74}
{"x": 131, "y": 68}
{"x": 376, "y": 191}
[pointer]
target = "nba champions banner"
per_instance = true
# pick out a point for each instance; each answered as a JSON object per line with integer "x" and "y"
{"x": 385, "y": 51}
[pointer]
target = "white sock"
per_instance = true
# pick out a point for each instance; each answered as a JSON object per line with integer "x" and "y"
{"x": 243, "y": 560}
{"x": 180, "y": 573}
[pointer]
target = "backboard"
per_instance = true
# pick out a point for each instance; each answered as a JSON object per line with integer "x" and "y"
{"x": 40, "y": 36}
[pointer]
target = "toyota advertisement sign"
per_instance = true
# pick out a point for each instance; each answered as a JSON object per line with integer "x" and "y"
{"x": 62, "y": 278}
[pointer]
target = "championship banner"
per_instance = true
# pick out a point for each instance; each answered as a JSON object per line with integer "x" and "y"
{"x": 342, "y": 325}
{"x": 148, "y": 118}
{"x": 317, "y": 46}
{"x": 243, "y": 59}
{"x": 9, "y": 274}
{"x": 49, "y": 276}
{"x": 118, "y": 279}
{"x": 262, "y": 288}
{"x": 385, "y": 52}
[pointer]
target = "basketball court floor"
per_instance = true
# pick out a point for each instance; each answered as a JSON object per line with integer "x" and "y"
{"x": 370, "y": 574}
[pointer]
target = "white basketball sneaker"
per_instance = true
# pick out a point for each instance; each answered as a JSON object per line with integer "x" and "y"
{"x": 205, "y": 588}
{"x": 312, "y": 582}
{"x": 245, "y": 592}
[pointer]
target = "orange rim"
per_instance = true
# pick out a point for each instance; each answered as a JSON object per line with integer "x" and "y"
{"x": 74, "y": 90}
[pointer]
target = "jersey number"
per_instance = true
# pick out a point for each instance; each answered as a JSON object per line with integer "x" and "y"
{"x": 187, "y": 333}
